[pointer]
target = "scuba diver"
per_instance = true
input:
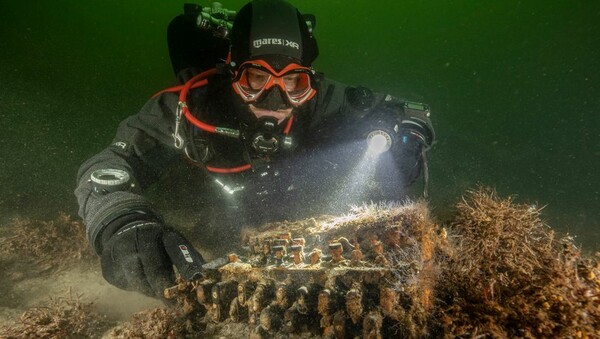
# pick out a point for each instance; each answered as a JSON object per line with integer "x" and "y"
{"x": 263, "y": 135}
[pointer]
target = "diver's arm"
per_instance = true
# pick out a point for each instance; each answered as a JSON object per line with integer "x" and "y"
{"x": 137, "y": 249}
{"x": 345, "y": 105}
{"x": 142, "y": 147}
{"x": 346, "y": 112}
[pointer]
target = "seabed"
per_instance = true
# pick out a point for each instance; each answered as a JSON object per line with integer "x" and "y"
{"x": 380, "y": 271}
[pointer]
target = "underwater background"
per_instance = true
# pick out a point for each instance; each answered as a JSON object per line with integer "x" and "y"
{"x": 514, "y": 89}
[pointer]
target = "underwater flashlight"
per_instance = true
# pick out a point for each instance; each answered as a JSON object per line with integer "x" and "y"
{"x": 378, "y": 141}
{"x": 109, "y": 180}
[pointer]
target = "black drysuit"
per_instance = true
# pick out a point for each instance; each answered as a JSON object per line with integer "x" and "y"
{"x": 325, "y": 169}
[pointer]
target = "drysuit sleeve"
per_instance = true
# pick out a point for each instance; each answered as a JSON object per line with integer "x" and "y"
{"x": 345, "y": 112}
{"x": 143, "y": 147}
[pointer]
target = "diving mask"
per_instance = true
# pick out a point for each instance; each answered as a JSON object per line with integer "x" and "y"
{"x": 254, "y": 79}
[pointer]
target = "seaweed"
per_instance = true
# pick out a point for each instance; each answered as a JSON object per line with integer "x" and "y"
{"x": 61, "y": 317}
{"x": 511, "y": 276}
{"x": 44, "y": 247}
{"x": 381, "y": 271}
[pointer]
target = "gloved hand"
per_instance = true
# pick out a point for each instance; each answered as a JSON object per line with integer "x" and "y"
{"x": 140, "y": 256}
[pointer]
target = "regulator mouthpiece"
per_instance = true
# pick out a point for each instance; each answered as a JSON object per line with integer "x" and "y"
{"x": 378, "y": 142}
{"x": 266, "y": 137}
{"x": 264, "y": 140}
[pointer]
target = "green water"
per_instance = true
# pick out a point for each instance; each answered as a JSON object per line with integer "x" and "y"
{"x": 514, "y": 88}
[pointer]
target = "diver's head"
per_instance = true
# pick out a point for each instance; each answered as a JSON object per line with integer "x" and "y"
{"x": 272, "y": 50}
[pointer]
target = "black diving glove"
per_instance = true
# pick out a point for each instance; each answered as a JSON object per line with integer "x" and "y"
{"x": 140, "y": 256}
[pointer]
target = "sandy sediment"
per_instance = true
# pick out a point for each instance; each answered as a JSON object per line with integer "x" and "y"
{"x": 495, "y": 270}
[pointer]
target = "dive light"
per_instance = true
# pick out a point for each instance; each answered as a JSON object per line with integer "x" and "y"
{"x": 385, "y": 133}
{"x": 379, "y": 141}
